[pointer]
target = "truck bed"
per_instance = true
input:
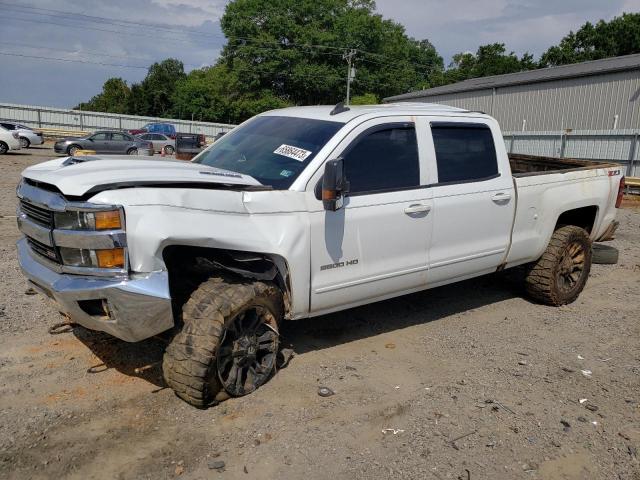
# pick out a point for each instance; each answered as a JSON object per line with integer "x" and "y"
{"x": 527, "y": 165}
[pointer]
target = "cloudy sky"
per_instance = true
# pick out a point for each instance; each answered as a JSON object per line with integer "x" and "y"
{"x": 49, "y": 57}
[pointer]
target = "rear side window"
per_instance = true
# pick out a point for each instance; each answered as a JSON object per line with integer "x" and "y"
{"x": 384, "y": 159}
{"x": 464, "y": 152}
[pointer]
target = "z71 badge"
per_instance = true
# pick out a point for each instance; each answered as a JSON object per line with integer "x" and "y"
{"x": 346, "y": 263}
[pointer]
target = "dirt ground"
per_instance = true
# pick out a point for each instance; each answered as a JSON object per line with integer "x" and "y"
{"x": 468, "y": 381}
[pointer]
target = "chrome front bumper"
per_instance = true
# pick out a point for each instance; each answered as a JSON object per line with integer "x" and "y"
{"x": 131, "y": 308}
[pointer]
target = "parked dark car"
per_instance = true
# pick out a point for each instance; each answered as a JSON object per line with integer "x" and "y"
{"x": 105, "y": 142}
{"x": 163, "y": 128}
{"x": 188, "y": 145}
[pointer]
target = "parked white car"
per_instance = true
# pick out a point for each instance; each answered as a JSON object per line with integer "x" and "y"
{"x": 28, "y": 137}
{"x": 8, "y": 140}
{"x": 297, "y": 213}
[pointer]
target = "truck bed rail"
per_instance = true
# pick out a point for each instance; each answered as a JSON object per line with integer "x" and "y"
{"x": 527, "y": 165}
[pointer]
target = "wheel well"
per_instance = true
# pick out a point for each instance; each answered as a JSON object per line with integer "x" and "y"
{"x": 583, "y": 217}
{"x": 189, "y": 266}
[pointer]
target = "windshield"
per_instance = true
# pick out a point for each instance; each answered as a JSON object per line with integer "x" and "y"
{"x": 273, "y": 150}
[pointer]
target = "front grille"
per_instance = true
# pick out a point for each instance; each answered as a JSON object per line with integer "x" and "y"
{"x": 40, "y": 215}
{"x": 46, "y": 251}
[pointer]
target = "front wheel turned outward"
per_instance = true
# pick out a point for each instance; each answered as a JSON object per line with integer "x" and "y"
{"x": 228, "y": 344}
{"x": 558, "y": 277}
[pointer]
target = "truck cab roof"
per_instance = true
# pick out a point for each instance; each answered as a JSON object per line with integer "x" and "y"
{"x": 324, "y": 112}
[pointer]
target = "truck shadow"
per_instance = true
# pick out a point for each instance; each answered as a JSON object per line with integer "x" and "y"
{"x": 423, "y": 307}
{"x": 144, "y": 359}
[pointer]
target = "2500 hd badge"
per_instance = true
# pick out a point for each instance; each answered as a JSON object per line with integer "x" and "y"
{"x": 339, "y": 264}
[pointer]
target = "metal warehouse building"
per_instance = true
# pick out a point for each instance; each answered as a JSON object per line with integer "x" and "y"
{"x": 597, "y": 95}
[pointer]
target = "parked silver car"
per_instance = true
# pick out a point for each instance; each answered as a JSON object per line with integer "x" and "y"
{"x": 26, "y": 134}
{"x": 160, "y": 142}
{"x": 105, "y": 142}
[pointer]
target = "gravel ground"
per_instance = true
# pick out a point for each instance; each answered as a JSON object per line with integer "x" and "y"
{"x": 468, "y": 381}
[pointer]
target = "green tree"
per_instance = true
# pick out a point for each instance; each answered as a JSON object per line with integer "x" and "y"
{"x": 294, "y": 50}
{"x": 114, "y": 98}
{"x": 212, "y": 94}
{"x": 154, "y": 95}
{"x": 366, "y": 99}
{"x": 620, "y": 36}
{"x": 491, "y": 59}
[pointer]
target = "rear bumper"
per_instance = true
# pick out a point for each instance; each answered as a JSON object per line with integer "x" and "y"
{"x": 134, "y": 308}
{"x": 34, "y": 139}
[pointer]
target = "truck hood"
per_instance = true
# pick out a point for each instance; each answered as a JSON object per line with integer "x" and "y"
{"x": 78, "y": 176}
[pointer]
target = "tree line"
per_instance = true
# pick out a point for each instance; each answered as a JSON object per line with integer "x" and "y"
{"x": 291, "y": 52}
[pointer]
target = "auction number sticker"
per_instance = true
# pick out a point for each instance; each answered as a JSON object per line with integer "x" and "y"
{"x": 296, "y": 153}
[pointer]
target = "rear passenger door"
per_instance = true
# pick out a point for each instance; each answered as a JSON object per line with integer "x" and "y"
{"x": 474, "y": 200}
{"x": 376, "y": 245}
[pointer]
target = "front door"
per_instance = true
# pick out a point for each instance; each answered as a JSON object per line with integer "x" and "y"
{"x": 376, "y": 245}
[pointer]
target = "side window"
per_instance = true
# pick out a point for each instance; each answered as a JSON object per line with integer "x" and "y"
{"x": 385, "y": 159}
{"x": 99, "y": 136}
{"x": 120, "y": 137}
{"x": 8, "y": 126}
{"x": 464, "y": 152}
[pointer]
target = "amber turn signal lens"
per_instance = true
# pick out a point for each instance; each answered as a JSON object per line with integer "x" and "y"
{"x": 329, "y": 194}
{"x": 113, "y": 258}
{"x": 108, "y": 220}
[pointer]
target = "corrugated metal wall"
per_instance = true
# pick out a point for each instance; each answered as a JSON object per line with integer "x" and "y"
{"x": 47, "y": 117}
{"x": 622, "y": 146}
{"x": 583, "y": 103}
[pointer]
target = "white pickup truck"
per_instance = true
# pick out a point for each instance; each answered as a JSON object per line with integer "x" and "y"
{"x": 297, "y": 213}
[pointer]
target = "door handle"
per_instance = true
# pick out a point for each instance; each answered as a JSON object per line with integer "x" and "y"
{"x": 417, "y": 208}
{"x": 501, "y": 197}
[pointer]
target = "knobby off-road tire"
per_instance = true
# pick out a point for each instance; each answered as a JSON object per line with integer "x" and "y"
{"x": 558, "y": 277}
{"x": 199, "y": 362}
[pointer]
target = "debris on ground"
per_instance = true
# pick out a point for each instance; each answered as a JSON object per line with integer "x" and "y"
{"x": 325, "y": 392}
{"x": 586, "y": 373}
{"x": 394, "y": 431}
{"x": 566, "y": 425}
{"x": 216, "y": 465}
{"x": 284, "y": 357}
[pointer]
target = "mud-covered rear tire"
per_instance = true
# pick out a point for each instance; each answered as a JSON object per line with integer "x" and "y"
{"x": 213, "y": 317}
{"x": 558, "y": 277}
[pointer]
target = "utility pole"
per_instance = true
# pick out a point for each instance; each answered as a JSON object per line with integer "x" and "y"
{"x": 351, "y": 72}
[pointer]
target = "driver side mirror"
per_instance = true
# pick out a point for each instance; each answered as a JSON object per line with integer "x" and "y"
{"x": 334, "y": 185}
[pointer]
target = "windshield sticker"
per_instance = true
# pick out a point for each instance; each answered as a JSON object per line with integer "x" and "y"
{"x": 296, "y": 153}
{"x": 286, "y": 173}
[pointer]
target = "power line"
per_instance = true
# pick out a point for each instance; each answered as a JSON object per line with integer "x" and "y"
{"x": 96, "y": 19}
{"x": 72, "y": 60}
{"x": 87, "y": 27}
{"x": 280, "y": 45}
{"x": 88, "y": 52}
